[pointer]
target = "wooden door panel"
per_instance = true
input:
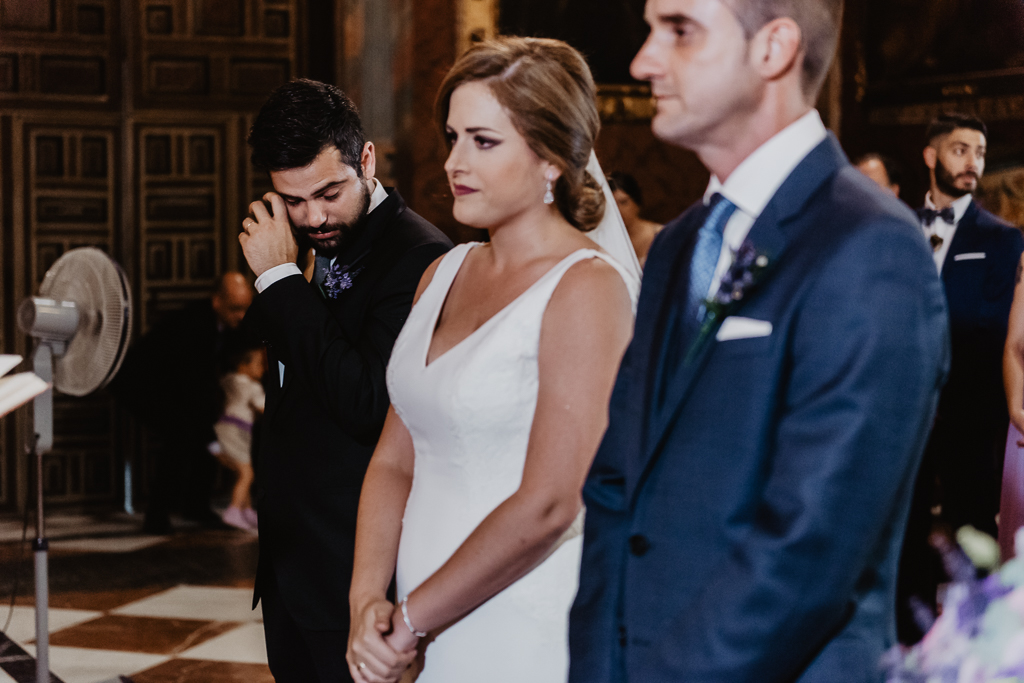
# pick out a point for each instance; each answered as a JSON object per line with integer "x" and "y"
{"x": 142, "y": 155}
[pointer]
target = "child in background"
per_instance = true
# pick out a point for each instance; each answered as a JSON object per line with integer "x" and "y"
{"x": 244, "y": 401}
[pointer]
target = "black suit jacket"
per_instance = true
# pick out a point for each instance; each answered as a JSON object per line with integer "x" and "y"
{"x": 320, "y": 428}
{"x": 978, "y": 276}
{"x": 966, "y": 444}
{"x": 170, "y": 377}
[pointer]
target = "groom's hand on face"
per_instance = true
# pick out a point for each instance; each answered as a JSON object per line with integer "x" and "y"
{"x": 267, "y": 240}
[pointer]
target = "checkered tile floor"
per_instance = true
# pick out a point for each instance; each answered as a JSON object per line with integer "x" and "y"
{"x": 105, "y": 628}
{"x": 187, "y": 633}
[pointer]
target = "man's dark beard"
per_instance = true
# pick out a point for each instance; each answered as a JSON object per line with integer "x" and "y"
{"x": 946, "y": 182}
{"x": 347, "y": 232}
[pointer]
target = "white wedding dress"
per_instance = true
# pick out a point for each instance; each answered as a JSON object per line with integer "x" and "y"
{"x": 469, "y": 413}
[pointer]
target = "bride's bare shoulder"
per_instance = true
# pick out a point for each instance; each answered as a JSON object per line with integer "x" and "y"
{"x": 592, "y": 286}
{"x": 426, "y": 278}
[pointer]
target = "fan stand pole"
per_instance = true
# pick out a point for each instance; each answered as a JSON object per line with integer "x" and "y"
{"x": 42, "y": 409}
{"x": 40, "y": 546}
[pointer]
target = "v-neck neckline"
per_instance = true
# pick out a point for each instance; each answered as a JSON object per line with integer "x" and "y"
{"x": 427, "y": 363}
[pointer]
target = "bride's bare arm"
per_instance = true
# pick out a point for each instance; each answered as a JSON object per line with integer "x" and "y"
{"x": 585, "y": 330}
{"x": 1013, "y": 355}
{"x": 378, "y": 529}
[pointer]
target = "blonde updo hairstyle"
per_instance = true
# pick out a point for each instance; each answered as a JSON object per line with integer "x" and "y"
{"x": 547, "y": 90}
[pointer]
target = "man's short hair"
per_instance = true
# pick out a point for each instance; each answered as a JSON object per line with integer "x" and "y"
{"x": 891, "y": 166}
{"x": 947, "y": 122}
{"x": 819, "y": 22}
{"x": 300, "y": 120}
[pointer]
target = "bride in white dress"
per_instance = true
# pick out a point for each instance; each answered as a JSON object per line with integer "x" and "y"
{"x": 499, "y": 382}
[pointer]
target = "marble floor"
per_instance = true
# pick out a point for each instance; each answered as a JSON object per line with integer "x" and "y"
{"x": 125, "y": 607}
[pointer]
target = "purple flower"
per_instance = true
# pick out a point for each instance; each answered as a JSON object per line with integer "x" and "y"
{"x": 747, "y": 269}
{"x": 742, "y": 274}
{"x": 979, "y": 638}
{"x": 338, "y": 279}
{"x": 994, "y": 588}
{"x": 972, "y": 609}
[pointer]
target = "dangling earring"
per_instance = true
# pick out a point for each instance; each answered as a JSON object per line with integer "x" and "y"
{"x": 549, "y": 196}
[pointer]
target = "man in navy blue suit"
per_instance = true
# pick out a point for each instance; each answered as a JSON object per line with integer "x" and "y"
{"x": 746, "y": 508}
{"x": 976, "y": 254}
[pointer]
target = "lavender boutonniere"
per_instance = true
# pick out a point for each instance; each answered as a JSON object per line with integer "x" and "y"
{"x": 338, "y": 279}
{"x": 745, "y": 272}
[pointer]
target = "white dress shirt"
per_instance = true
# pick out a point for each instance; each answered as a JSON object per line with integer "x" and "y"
{"x": 756, "y": 180}
{"x": 284, "y": 270}
{"x": 942, "y": 228}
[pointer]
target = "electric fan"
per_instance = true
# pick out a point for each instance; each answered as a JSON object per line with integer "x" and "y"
{"x": 81, "y": 321}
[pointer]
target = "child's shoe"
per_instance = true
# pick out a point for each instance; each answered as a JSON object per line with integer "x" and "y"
{"x": 236, "y": 518}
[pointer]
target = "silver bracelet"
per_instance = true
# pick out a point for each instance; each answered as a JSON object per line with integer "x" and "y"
{"x": 408, "y": 624}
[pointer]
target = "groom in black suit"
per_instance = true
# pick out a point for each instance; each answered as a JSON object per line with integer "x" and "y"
{"x": 976, "y": 254}
{"x": 746, "y": 507}
{"x": 329, "y": 342}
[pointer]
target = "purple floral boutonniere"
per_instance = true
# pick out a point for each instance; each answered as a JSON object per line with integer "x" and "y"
{"x": 338, "y": 279}
{"x": 745, "y": 272}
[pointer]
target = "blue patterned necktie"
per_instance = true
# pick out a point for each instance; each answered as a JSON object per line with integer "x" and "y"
{"x": 702, "y": 270}
{"x": 320, "y": 270}
{"x": 707, "y": 253}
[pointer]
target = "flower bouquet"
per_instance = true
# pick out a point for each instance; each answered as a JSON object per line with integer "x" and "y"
{"x": 979, "y": 637}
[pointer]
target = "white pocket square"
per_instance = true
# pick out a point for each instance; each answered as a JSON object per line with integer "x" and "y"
{"x": 970, "y": 256}
{"x": 735, "y": 327}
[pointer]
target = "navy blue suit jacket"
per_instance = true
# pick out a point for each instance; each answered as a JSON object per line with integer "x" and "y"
{"x": 752, "y": 532}
{"x": 979, "y": 292}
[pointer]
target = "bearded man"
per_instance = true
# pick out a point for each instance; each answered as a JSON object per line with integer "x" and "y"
{"x": 976, "y": 254}
{"x": 329, "y": 341}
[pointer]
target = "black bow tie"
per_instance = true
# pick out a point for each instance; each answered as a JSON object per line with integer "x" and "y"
{"x": 928, "y": 216}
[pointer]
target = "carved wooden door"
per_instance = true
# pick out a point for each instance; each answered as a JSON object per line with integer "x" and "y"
{"x": 122, "y": 126}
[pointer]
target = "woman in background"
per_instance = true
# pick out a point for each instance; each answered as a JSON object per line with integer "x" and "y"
{"x": 630, "y": 200}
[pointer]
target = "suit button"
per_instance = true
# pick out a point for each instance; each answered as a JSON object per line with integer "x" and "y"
{"x": 639, "y": 545}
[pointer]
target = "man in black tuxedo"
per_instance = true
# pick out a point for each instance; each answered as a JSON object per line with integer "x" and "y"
{"x": 329, "y": 342}
{"x": 976, "y": 254}
{"x": 171, "y": 381}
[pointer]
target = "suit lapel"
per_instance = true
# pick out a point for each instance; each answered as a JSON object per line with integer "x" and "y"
{"x": 767, "y": 239}
{"x": 967, "y": 238}
{"x": 660, "y": 277}
{"x": 770, "y": 234}
{"x": 662, "y": 263}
